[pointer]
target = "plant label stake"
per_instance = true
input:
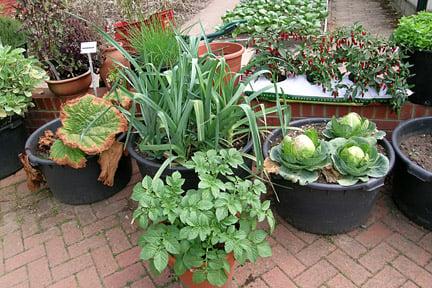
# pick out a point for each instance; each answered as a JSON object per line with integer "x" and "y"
{"x": 90, "y": 48}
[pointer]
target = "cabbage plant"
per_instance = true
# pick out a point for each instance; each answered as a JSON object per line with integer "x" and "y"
{"x": 357, "y": 159}
{"x": 301, "y": 157}
{"x": 352, "y": 125}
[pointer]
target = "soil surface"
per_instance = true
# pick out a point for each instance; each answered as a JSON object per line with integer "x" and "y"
{"x": 418, "y": 148}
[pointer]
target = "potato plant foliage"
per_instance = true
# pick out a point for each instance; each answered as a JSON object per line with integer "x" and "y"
{"x": 199, "y": 228}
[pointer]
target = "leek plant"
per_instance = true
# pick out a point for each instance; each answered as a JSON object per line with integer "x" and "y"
{"x": 195, "y": 106}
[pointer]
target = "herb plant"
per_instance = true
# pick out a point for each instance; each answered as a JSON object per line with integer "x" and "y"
{"x": 301, "y": 16}
{"x": 199, "y": 228}
{"x": 351, "y": 125}
{"x": 301, "y": 157}
{"x": 157, "y": 43}
{"x": 54, "y": 37}
{"x": 11, "y": 33}
{"x": 18, "y": 77}
{"x": 415, "y": 32}
{"x": 357, "y": 159}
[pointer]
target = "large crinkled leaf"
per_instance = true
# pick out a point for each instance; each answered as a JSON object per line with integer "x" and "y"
{"x": 65, "y": 155}
{"x": 90, "y": 124}
{"x": 303, "y": 177}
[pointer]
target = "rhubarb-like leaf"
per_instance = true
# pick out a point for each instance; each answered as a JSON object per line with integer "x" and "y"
{"x": 90, "y": 124}
{"x": 65, "y": 155}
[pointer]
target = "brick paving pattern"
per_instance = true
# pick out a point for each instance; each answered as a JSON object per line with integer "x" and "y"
{"x": 48, "y": 244}
{"x": 44, "y": 243}
{"x": 375, "y": 15}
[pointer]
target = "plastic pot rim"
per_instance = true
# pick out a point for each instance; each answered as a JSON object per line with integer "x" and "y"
{"x": 413, "y": 168}
{"x": 372, "y": 184}
{"x": 155, "y": 164}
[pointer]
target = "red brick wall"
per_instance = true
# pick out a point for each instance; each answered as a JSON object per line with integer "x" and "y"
{"x": 381, "y": 114}
{"x": 7, "y": 7}
{"x": 48, "y": 107}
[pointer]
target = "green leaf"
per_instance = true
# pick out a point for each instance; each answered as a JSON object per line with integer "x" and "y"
{"x": 90, "y": 124}
{"x": 199, "y": 276}
{"x": 264, "y": 249}
{"x": 217, "y": 277}
{"x": 257, "y": 236}
{"x": 148, "y": 251}
{"x": 65, "y": 155}
{"x": 160, "y": 260}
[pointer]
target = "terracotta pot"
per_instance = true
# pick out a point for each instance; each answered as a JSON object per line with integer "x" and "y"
{"x": 71, "y": 86}
{"x": 111, "y": 58}
{"x": 187, "y": 281}
{"x": 232, "y": 52}
{"x": 122, "y": 28}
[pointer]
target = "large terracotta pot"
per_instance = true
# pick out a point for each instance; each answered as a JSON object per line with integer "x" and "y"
{"x": 187, "y": 281}
{"x": 71, "y": 86}
{"x": 232, "y": 52}
{"x": 111, "y": 58}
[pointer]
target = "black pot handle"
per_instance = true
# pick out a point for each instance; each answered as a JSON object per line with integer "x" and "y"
{"x": 419, "y": 173}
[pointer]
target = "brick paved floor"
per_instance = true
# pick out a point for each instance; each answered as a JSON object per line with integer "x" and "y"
{"x": 48, "y": 244}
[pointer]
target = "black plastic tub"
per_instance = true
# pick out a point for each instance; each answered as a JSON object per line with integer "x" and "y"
{"x": 12, "y": 140}
{"x": 421, "y": 62}
{"x": 76, "y": 186}
{"x": 412, "y": 185}
{"x": 324, "y": 208}
{"x": 149, "y": 167}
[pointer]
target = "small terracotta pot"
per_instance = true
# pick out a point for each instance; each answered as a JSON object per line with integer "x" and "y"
{"x": 111, "y": 58}
{"x": 232, "y": 52}
{"x": 70, "y": 86}
{"x": 187, "y": 281}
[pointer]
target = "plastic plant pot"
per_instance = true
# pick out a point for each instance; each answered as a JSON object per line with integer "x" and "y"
{"x": 12, "y": 140}
{"x": 421, "y": 62}
{"x": 412, "y": 185}
{"x": 320, "y": 208}
{"x": 149, "y": 167}
{"x": 76, "y": 186}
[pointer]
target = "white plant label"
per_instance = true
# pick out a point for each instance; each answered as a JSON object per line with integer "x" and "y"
{"x": 88, "y": 47}
{"x": 91, "y": 48}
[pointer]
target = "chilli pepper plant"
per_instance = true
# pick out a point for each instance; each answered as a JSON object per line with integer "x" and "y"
{"x": 351, "y": 154}
{"x": 200, "y": 229}
{"x": 304, "y": 17}
{"x": 348, "y": 53}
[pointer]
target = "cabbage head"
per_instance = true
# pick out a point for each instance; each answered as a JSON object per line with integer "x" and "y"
{"x": 357, "y": 159}
{"x": 300, "y": 158}
{"x": 352, "y": 125}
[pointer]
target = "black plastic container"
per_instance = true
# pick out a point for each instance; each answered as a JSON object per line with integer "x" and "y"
{"x": 12, "y": 140}
{"x": 421, "y": 62}
{"x": 150, "y": 167}
{"x": 325, "y": 208}
{"x": 412, "y": 187}
{"x": 76, "y": 186}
